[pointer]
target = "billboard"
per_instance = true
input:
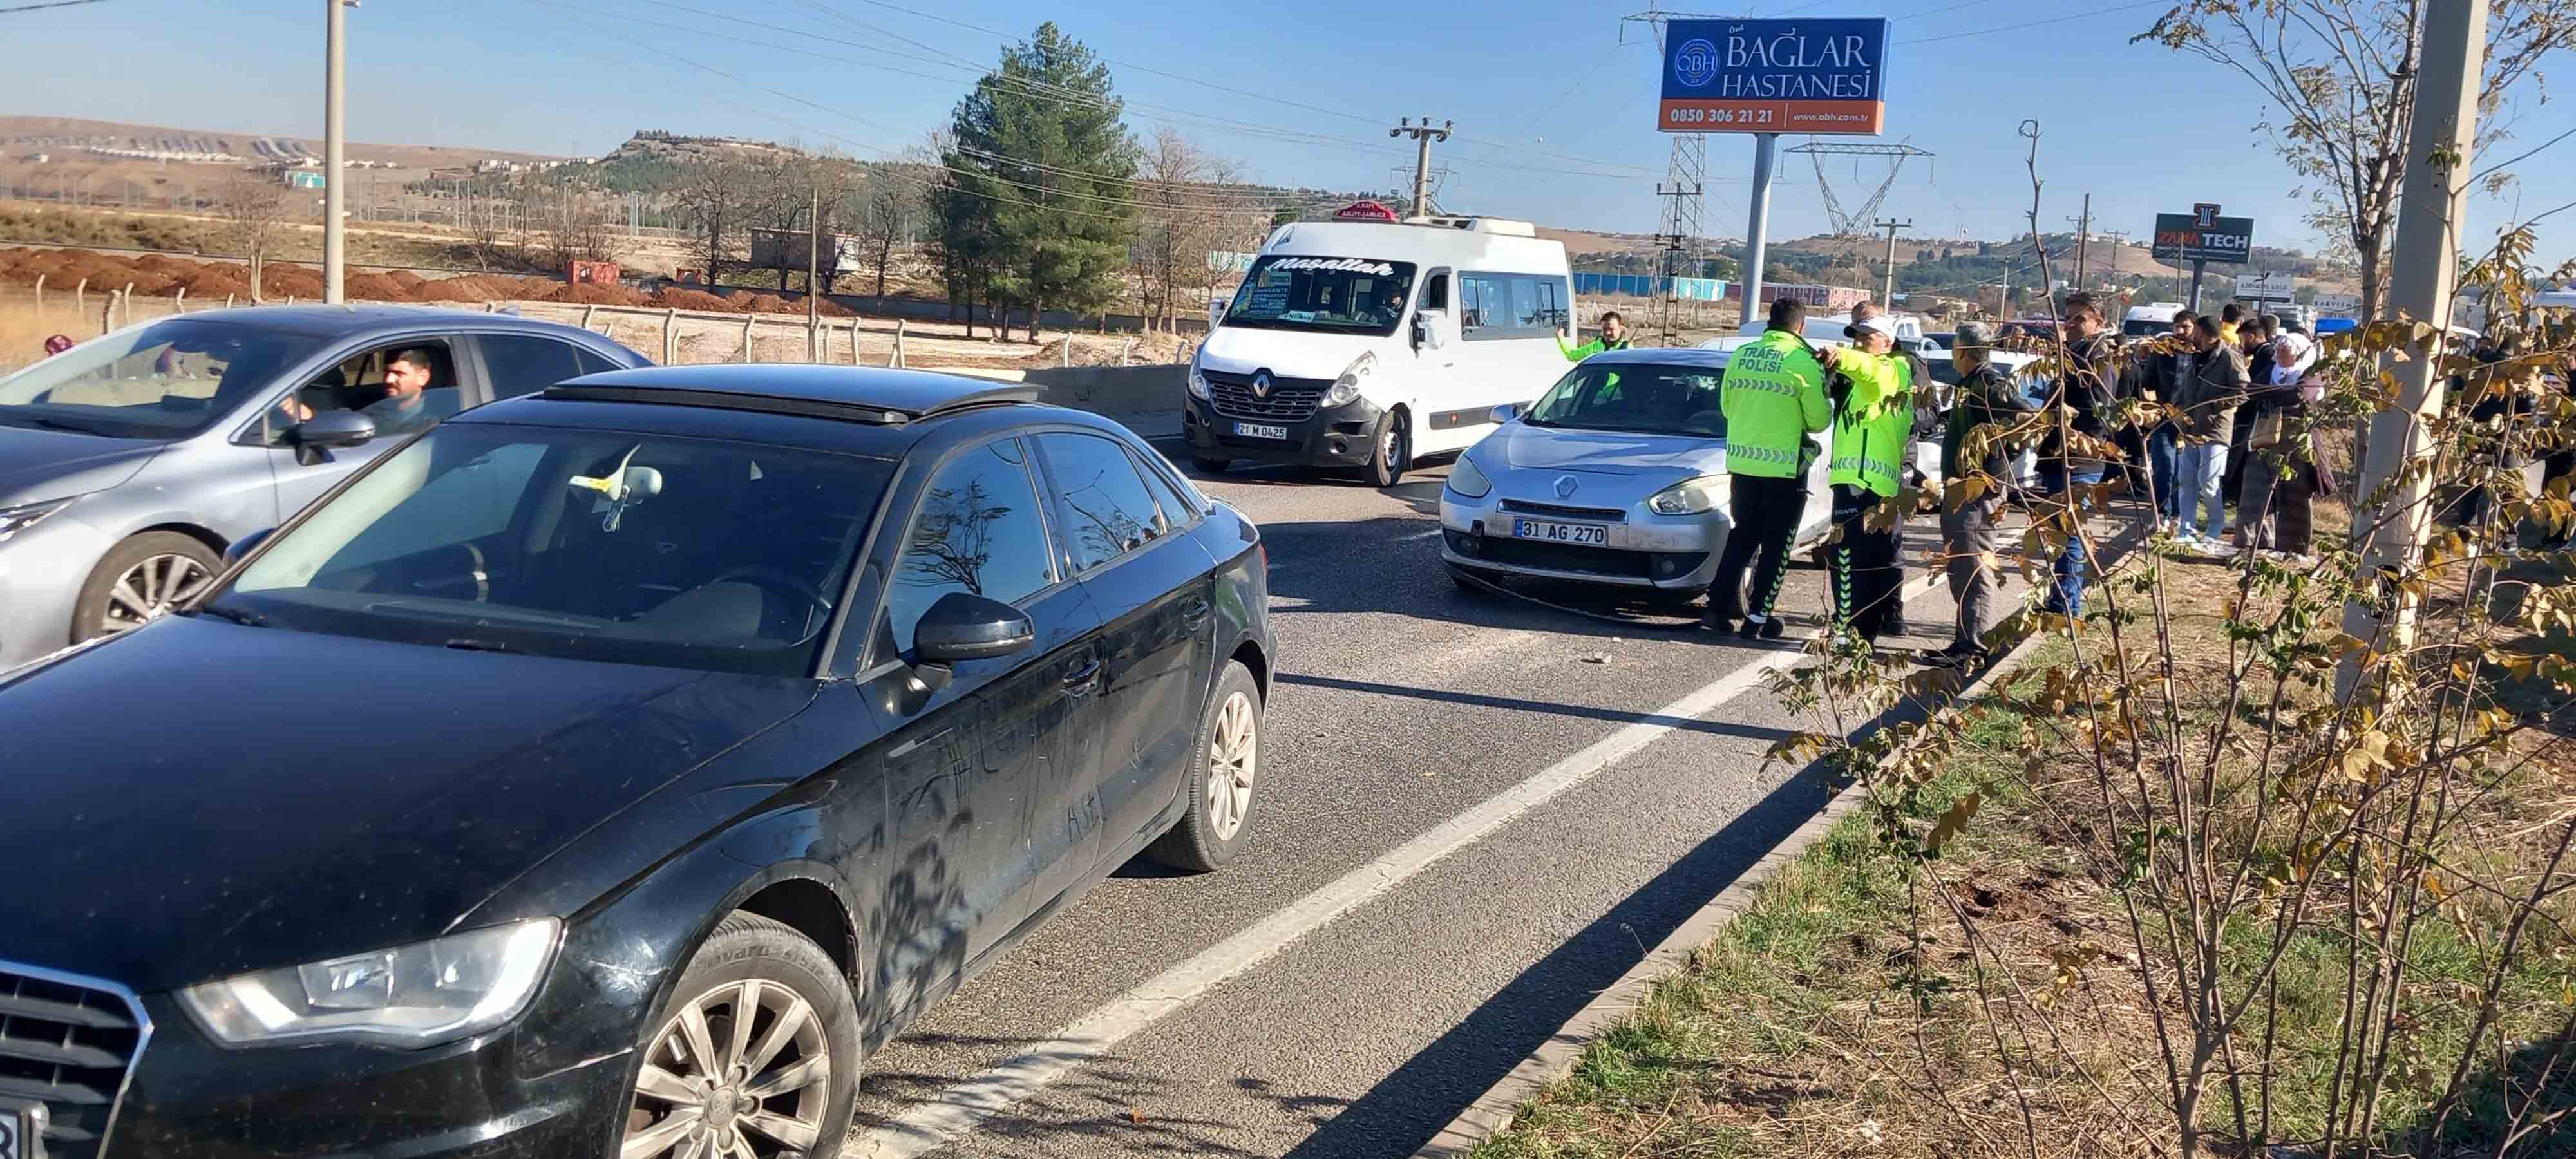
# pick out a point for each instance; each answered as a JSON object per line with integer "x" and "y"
{"x": 2272, "y": 287}
{"x": 1774, "y": 76}
{"x": 2203, "y": 236}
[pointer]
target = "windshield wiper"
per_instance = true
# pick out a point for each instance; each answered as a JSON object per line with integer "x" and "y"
{"x": 236, "y": 615}
{"x": 466, "y": 644}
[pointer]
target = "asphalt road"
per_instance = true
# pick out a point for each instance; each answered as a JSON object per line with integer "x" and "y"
{"x": 1402, "y": 705}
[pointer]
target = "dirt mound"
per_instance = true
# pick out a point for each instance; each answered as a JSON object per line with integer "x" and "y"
{"x": 375, "y": 288}
{"x": 692, "y": 300}
{"x": 409, "y": 281}
{"x": 215, "y": 285}
{"x": 289, "y": 281}
{"x": 597, "y": 294}
{"x": 165, "y": 264}
{"x": 771, "y": 304}
{"x": 465, "y": 289}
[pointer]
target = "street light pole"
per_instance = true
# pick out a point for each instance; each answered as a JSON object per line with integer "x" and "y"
{"x": 2434, "y": 205}
{"x": 335, "y": 172}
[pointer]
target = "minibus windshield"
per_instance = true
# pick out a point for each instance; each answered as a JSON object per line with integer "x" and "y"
{"x": 1340, "y": 295}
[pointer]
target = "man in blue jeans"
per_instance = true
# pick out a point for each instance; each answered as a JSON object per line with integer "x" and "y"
{"x": 2067, "y": 473}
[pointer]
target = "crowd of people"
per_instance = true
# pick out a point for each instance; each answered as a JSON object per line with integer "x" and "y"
{"x": 2222, "y": 457}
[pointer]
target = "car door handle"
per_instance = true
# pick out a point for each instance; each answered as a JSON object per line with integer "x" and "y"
{"x": 1082, "y": 680}
{"x": 1196, "y": 612}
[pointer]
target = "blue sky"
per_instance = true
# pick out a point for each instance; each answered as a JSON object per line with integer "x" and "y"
{"x": 1555, "y": 115}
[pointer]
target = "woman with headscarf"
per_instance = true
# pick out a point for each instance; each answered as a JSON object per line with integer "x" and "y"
{"x": 2284, "y": 471}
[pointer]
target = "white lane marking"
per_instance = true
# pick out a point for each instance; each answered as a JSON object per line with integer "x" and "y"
{"x": 960, "y": 1108}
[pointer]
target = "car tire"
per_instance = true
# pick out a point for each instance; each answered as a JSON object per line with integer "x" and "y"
{"x": 140, "y": 578}
{"x": 786, "y": 981}
{"x": 1208, "y": 465}
{"x": 1217, "y": 792}
{"x": 1392, "y": 453}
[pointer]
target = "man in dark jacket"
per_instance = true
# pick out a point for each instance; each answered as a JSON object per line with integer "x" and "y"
{"x": 1987, "y": 398}
{"x": 2258, "y": 337}
{"x": 2087, "y": 388}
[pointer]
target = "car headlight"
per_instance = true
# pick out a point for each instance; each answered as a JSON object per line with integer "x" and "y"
{"x": 1467, "y": 480}
{"x": 1347, "y": 387}
{"x": 415, "y": 996}
{"x": 1197, "y": 381}
{"x": 16, "y": 519}
{"x": 1688, "y": 497}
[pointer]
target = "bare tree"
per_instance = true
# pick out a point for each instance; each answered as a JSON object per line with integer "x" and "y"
{"x": 2342, "y": 74}
{"x": 253, "y": 208}
{"x": 887, "y": 207}
{"x": 1188, "y": 223}
{"x": 718, "y": 200}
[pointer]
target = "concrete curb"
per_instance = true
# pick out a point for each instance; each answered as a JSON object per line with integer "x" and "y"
{"x": 1492, "y": 1111}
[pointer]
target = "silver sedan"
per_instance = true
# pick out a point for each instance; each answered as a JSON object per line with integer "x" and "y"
{"x": 1617, "y": 475}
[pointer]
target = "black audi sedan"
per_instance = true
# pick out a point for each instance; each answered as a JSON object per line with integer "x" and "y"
{"x": 610, "y": 770}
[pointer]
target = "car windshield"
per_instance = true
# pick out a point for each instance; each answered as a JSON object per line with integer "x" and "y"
{"x": 1345, "y": 295}
{"x": 1639, "y": 397}
{"x": 2144, "y": 328}
{"x": 581, "y": 544}
{"x": 167, "y": 380}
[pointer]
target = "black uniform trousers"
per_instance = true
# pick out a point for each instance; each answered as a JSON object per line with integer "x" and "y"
{"x": 1866, "y": 565}
{"x": 1765, "y": 512}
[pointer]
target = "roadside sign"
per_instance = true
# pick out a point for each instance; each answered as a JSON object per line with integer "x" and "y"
{"x": 1364, "y": 211}
{"x": 1774, "y": 76}
{"x": 2204, "y": 237}
{"x": 2272, "y": 287}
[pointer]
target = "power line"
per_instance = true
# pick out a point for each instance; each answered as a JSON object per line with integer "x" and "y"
{"x": 39, "y": 7}
{"x": 2482, "y": 173}
{"x": 1143, "y": 207}
{"x": 2038, "y": 23}
{"x": 1264, "y": 96}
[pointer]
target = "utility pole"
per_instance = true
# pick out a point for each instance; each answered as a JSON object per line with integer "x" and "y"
{"x": 335, "y": 147}
{"x": 2083, "y": 239}
{"x": 813, "y": 267}
{"x": 2119, "y": 241}
{"x": 1887, "y": 297}
{"x": 1422, "y": 134}
{"x": 2434, "y": 205}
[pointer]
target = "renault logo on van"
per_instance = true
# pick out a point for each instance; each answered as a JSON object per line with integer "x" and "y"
{"x": 1261, "y": 385}
{"x": 1565, "y": 485}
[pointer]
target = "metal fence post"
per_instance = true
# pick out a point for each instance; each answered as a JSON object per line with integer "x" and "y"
{"x": 587, "y": 313}
{"x": 127, "y": 295}
{"x": 746, "y": 338}
{"x": 895, "y": 357}
{"x": 228, "y": 301}
{"x": 80, "y": 296}
{"x": 1127, "y": 356}
{"x": 181, "y": 306}
{"x": 854, "y": 342}
{"x": 1068, "y": 349}
{"x": 107, "y": 316}
{"x": 813, "y": 336}
{"x": 670, "y": 337}
{"x": 40, "y": 293}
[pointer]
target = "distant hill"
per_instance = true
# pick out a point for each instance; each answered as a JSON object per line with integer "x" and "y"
{"x": 27, "y": 134}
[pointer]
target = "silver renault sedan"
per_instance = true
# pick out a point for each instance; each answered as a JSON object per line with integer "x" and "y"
{"x": 1617, "y": 476}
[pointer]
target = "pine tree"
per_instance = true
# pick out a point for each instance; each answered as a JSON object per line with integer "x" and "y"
{"x": 1038, "y": 211}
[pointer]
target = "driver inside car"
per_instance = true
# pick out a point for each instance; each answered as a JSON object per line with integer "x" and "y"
{"x": 399, "y": 407}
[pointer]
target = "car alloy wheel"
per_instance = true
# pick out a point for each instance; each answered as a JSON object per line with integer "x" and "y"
{"x": 1234, "y": 751}
{"x": 742, "y": 1071}
{"x": 148, "y": 589}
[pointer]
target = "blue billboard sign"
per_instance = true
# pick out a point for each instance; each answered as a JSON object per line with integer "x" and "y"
{"x": 1774, "y": 76}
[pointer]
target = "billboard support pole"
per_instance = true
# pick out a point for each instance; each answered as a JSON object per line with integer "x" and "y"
{"x": 1757, "y": 225}
{"x": 2199, "y": 267}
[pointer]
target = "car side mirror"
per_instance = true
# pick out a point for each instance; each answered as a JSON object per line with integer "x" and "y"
{"x": 326, "y": 430}
{"x": 963, "y": 626}
{"x": 1505, "y": 413}
{"x": 1430, "y": 329}
{"x": 243, "y": 546}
